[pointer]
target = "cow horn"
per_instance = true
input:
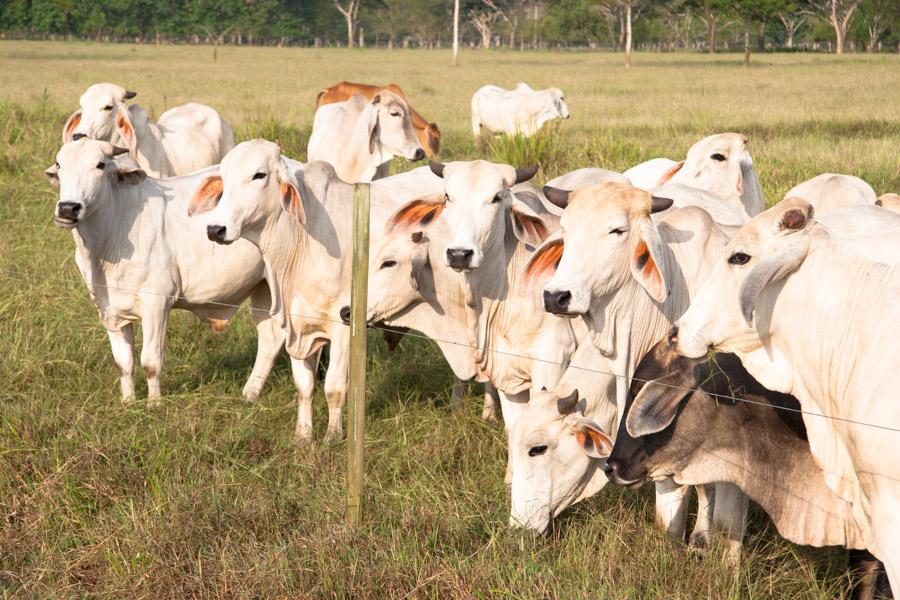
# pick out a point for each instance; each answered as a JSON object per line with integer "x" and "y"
{"x": 436, "y": 168}
{"x": 660, "y": 204}
{"x": 129, "y": 94}
{"x": 117, "y": 150}
{"x": 567, "y": 404}
{"x": 557, "y": 196}
{"x": 526, "y": 173}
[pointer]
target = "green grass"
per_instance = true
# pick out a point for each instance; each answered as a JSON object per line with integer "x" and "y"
{"x": 207, "y": 496}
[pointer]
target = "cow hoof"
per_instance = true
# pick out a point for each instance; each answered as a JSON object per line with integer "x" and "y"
{"x": 250, "y": 396}
{"x": 154, "y": 402}
{"x": 303, "y": 437}
{"x": 489, "y": 415}
{"x": 699, "y": 540}
{"x": 332, "y": 437}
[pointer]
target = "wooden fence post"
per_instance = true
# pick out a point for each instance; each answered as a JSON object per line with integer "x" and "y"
{"x": 356, "y": 413}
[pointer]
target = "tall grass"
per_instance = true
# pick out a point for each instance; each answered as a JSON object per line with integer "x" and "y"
{"x": 208, "y": 497}
{"x": 545, "y": 148}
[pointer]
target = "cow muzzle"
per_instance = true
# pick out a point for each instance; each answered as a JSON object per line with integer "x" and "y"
{"x": 558, "y": 302}
{"x": 460, "y": 259}
{"x": 614, "y": 472}
{"x": 418, "y": 155}
{"x": 217, "y": 233}
{"x": 67, "y": 214}
{"x": 78, "y": 136}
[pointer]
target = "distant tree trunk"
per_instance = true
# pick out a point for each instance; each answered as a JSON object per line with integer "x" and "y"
{"x": 350, "y": 14}
{"x": 839, "y": 14}
{"x": 761, "y": 38}
{"x": 455, "y": 32}
{"x": 628, "y": 35}
{"x": 711, "y": 36}
{"x": 746, "y": 46}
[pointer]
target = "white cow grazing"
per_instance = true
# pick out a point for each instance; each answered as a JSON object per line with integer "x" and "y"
{"x": 890, "y": 201}
{"x": 186, "y": 138}
{"x": 489, "y": 236}
{"x": 829, "y": 191}
{"x": 300, "y": 217}
{"x": 642, "y": 276}
{"x": 518, "y": 111}
{"x": 140, "y": 255}
{"x": 647, "y": 174}
{"x": 720, "y": 164}
{"x": 358, "y": 136}
{"x": 814, "y": 313}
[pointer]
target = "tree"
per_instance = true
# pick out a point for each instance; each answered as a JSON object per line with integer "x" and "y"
{"x": 714, "y": 14}
{"x": 351, "y": 14}
{"x": 878, "y": 16}
{"x": 455, "y": 32}
{"x": 839, "y": 14}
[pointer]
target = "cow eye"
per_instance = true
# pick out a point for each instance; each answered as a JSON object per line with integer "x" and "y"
{"x": 259, "y": 176}
{"x": 108, "y": 107}
{"x": 536, "y": 450}
{"x": 388, "y": 264}
{"x": 738, "y": 258}
{"x": 618, "y": 230}
{"x": 718, "y": 157}
{"x": 496, "y": 199}
{"x": 395, "y": 114}
{"x": 101, "y": 165}
{"x": 57, "y": 166}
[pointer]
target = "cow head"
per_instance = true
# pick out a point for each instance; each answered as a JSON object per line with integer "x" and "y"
{"x": 554, "y": 457}
{"x": 398, "y": 275}
{"x": 391, "y": 129}
{"x": 720, "y": 164}
{"x": 103, "y": 116}
{"x": 477, "y": 203}
{"x": 732, "y": 310}
{"x": 606, "y": 239}
{"x": 85, "y": 171}
{"x": 890, "y": 201}
{"x": 255, "y": 186}
{"x": 559, "y": 103}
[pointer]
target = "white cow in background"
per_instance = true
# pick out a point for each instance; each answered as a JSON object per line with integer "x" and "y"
{"x": 141, "y": 255}
{"x": 889, "y": 201}
{"x": 186, "y": 138}
{"x": 830, "y": 190}
{"x": 520, "y": 110}
{"x": 358, "y": 136}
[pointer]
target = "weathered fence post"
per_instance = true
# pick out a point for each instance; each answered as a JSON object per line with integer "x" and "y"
{"x": 356, "y": 413}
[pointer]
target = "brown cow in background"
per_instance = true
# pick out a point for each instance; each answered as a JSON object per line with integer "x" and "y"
{"x": 428, "y": 133}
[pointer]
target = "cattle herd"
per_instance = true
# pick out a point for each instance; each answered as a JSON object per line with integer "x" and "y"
{"x": 588, "y": 308}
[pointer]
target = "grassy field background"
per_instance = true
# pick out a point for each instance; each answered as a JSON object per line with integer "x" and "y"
{"x": 207, "y": 496}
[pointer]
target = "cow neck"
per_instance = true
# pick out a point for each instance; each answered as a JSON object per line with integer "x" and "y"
{"x": 788, "y": 485}
{"x": 283, "y": 243}
{"x": 359, "y": 138}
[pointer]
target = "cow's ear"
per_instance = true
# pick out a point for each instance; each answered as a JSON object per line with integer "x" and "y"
{"x": 417, "y": 215}
{"x": 419, "y": 261}
{"x": 291, "y": 201}
{"x": 656, "y": 405}
{"x": 646, "y": 262}
{"x": 130, "y": 174}
{"x": 207, "y": 196}
{"x": 542, "y": 264}
{"x": 592, "y": 439}
{"x": 374, "y": 131}
{"x": 69, "y": 127}
{"x": 52, "y": 175}
{"x": 126, "y": 128}
{"x": 129, "y": 94}
{"x": 527, "y": 225}
{"x": 670, "y": 173}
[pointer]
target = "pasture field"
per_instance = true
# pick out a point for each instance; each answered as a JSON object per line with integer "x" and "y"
{"x": 206, "y": 496}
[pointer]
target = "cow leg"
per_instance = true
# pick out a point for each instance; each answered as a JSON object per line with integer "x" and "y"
{"x": 122, "y": 344}
{"x": 154, "y": 327}
{"x": 706, "y": 503}
{"x": 730, "y": 517}
{"x": 871, "y": 582}
{"x": 491, "y": 398}
{"x": 336, "y": 384}
{"x": 460, "y": 389}
{"x": 672, "y": 507}
{"x": 269, "y": 340}
{"x": 304, "y": 374}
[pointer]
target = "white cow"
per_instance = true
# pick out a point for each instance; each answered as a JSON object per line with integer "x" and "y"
{"x": 300, "y": 217}
{"x": 829, "y": 191}
{"x": 812, "y": 312}
{"x": 518, "y": 111}
{"x": 490, "y": 233}
{"x": 647, "y": 174}
{"x": 140, "y": 256}
{"x": 641, "y": 277}
{"x": 186, "y": 138}
{"x": 890, "y": 201}
{"x": 358, "y": 136}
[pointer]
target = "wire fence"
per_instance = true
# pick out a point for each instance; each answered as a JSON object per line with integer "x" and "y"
{"x": 412, "y": 334}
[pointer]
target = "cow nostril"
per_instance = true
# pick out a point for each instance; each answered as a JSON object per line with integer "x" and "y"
{"x": 345, "y": 315}
{"x": 216, "y": 233}
{"x": 459, "y": 258}
{"x": 556, "y": 302}
{"x": 69, "y": 210}
{"x": 673, "y": 336}
{"x": 611, "y": 469}
{"x": 78, "y": 136}
{"x": 420, "y": 154}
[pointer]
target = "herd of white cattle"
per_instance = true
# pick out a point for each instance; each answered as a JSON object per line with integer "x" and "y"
{"x": 588, "y": 307}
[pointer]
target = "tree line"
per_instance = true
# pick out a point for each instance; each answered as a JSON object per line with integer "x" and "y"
{"x": 705, "y": 25}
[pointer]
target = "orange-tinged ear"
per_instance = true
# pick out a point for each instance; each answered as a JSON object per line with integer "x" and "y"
{"x": 290, "y": 200}
{"x": 527, "y": 226}
{"x": 125, "y": 129}
{"x": 670, "y": 173}
{"x": 542, "y": 265}
{"x": 646, "y": 270}
{"x": 70, "y": 126}
{"x": 417, "y": 215}
{"x": 595, "y": 443}
{"x": 207, "y": 196}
